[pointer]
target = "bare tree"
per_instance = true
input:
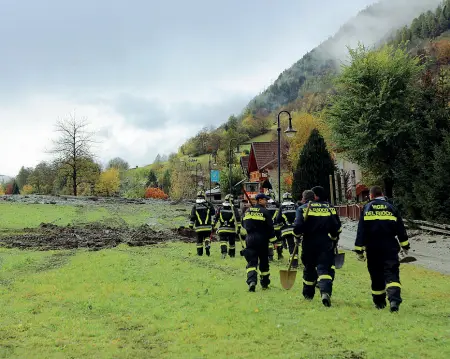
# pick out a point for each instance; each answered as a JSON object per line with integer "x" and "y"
{"x": 73, "y": 147}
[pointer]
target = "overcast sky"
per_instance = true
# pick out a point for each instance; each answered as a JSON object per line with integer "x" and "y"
{"x": 147, "y": 74}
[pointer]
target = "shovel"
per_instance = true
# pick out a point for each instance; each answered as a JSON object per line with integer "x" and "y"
{"x": 406, "y": 258}
{"x": 287, "y": 277}
{"x": 339, "y": 259}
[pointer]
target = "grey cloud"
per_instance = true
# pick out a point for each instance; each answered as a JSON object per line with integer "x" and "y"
{"x": 150, "y": 114}
{"x": 54, "y": 45}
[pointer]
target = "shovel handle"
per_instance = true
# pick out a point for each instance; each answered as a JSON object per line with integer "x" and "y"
{"x": 296, "y": 242}
{"x": 293, "y": 254}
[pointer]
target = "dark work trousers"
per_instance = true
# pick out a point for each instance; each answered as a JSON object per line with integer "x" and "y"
{"x": 228, "y": 241}
{"x": 257, "y": 252}
{"x": 317, "y": 263}
{"x": 384, "y": 270}
{"x": 290, "y": 239}
{"x": 279, "y": 244}
{"x": 203, "y": 237}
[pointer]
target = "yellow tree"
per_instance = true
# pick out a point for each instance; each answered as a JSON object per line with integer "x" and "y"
{"x": 304, "y": 123}
{"x": 27, "y": 189}
{"x": 108, "y": 182}
{"x": 2, "y": 190}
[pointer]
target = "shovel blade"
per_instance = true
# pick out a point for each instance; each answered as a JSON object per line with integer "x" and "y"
{"x": 407, "y": 259}
{"x": 339, "y": 260}
{"x": 287, "y": 278}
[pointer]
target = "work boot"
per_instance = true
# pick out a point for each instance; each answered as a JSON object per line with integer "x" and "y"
{"x": 200, "y": 251}
{"x": 307, "y": 297}
{"x": 395, "y": 306}
{"x": 252, "y": 287}
{"x": 381, "y": 304}
{"x": 232, "y": 253}
{"x": 224, "y": 254}
{"x": 207, "y": 251}
{"x": 326, "y": 300}
{"x": 265, "y": 287}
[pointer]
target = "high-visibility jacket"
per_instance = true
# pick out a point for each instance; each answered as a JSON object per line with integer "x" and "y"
{"x": 259, "y": 225}
{"x": 286, "y": 218}
{"x": 379, "y": 225}
{"x": 229, "y": 222}
{"x": 201, "y": 217}
{"x": 273, "y": 208}
{"x": 335, "y": 216}
{"x": 319, "y": 228}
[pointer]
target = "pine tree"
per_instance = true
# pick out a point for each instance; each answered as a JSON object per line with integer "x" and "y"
{"x": 15, "y": 189}
{"x": 152, "y": 180}
{"x": 314, "y": 166}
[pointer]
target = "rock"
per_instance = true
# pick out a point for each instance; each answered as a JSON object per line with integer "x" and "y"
{"x": 431, "y": 241}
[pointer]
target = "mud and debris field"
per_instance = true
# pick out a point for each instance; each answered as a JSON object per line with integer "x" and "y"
{"x": 90, "y": 223}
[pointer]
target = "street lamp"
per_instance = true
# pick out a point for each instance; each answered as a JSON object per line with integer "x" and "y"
{"x": 230, "y": 153}
{"x": 290, "y": 132}
{"x": 209, "y": 167}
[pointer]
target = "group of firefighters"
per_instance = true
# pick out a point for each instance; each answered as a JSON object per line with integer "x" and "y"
{"x": 315, "y": 225}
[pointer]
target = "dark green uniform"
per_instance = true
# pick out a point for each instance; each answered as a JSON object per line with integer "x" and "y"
{"x": 260, "y": 232}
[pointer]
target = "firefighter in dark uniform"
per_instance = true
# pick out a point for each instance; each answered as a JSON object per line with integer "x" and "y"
{"x": 201, "y": 219}
{"x": 229, "y": 225}
{"x": 379, "y": 224}
{"x": 319, "y": 195}
{"x": 285, "y": 219}
{"x": 259, "y": 226}
{"x": 272, "y": 208}
{"x": 317, "y": 248}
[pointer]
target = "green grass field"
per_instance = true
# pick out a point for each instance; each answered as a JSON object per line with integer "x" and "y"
{"x": 163, "y": 301}
{"x": 15, "y": 216}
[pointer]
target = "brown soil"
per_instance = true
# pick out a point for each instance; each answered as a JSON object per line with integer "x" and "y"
{"x": 94, "y": 236}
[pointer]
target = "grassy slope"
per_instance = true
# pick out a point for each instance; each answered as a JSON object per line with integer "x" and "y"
{"x": 164, "y": 302}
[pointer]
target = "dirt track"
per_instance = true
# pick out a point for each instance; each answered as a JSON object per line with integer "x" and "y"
{"x": 431, "y": 251}
{"x": 94, "y": 236}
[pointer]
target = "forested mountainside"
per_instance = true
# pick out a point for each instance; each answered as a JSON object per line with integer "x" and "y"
{"x": 305, "y": 86}
{"x": 372, "y": 26}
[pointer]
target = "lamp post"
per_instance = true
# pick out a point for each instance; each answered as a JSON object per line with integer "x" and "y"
{"x": 230, "y": 153}
{"x": 290, "y": 132}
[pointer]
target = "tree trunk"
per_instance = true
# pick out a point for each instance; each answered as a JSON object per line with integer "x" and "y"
{"x": 388, "y": 187}
{"x": 74, "y": 179}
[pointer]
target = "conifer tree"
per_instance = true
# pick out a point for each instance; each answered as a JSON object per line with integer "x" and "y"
{"x": 314, "y": 166}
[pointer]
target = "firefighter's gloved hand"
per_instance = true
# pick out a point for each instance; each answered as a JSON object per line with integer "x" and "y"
{"x": 405, "y": 252}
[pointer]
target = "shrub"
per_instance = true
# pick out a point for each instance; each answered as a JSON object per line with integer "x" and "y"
{"x": 156, "y": 193}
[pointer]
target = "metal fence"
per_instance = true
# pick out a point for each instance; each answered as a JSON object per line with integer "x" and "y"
{"x": 352, "y": 211}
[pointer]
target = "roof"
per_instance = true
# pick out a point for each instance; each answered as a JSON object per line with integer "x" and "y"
{"x": 261, "y": 154}
{"x": 244, "y": 163}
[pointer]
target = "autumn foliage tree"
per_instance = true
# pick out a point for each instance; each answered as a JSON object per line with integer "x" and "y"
{"x": 27, "y": 189}
{"x": 155, "y": 193}
{"x": 108, "y": 183}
